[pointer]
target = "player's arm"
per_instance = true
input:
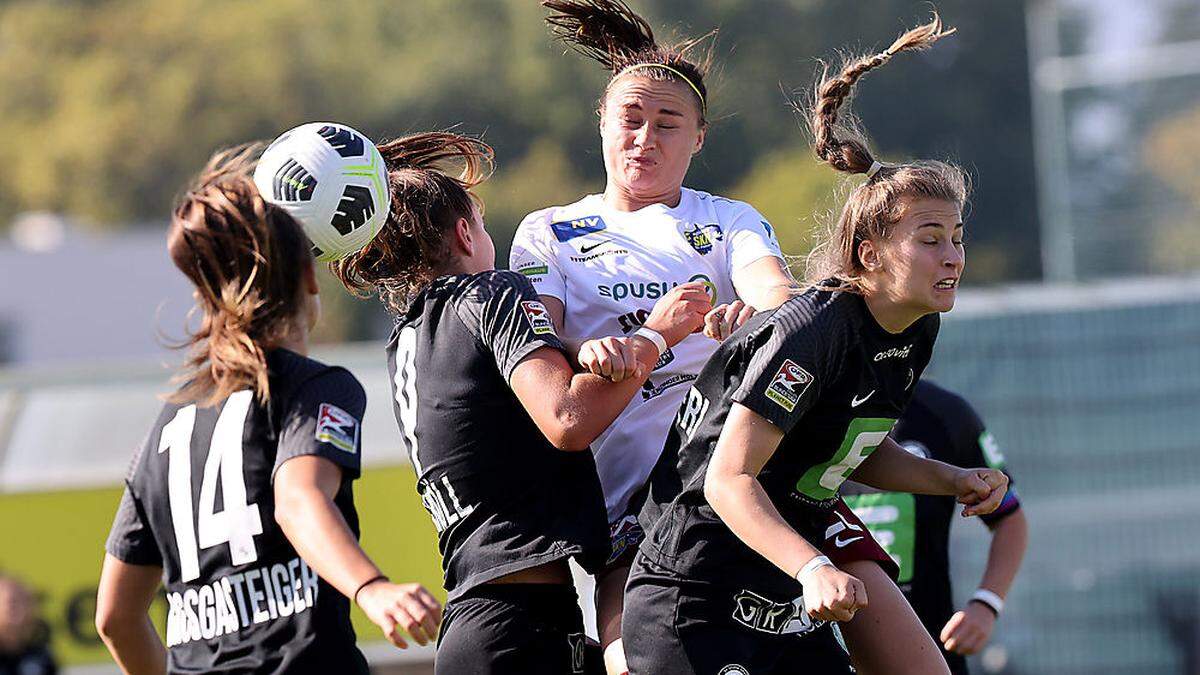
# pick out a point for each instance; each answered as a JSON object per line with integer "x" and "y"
{"x": 305, "y": 487}
{"x": 572, "y": 409}
{"x": 731, "y": 487}
{"x": 122, "y": 615}
{"x": 891, "y": 468}
{"x": 764, "y": 283}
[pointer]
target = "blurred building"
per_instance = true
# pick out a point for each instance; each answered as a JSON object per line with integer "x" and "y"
{"x": 71, "y": 296}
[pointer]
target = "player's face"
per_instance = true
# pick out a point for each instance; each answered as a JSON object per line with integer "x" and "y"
{"x": 650, "y": 130}
{"x": 922, "y": 262}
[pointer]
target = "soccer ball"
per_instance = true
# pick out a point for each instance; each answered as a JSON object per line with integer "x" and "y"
{"x": 332, "y": 180}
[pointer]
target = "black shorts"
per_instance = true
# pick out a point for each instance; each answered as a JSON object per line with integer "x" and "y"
{"x": 517, "y": 629}
{"x": 677, "y": 626}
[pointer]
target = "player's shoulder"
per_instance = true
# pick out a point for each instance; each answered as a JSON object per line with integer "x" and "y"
{"x": 725, "y": 209}
{"x": 485, "y": 286}
{"x": 292, "y": 373}
{"x": 821, "y": 309}
{"x": 541, "y": 224}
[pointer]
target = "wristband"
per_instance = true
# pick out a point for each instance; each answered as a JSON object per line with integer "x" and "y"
{"x": 812, "y": 566}
{"x": 368, "y": 582}
{"x": 989, "y": 599}
{"x": 653, "y": 336}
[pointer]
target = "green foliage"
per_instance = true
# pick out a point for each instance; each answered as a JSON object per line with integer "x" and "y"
{"x": 127, "y": 98}
{"x": 797, "y": 194}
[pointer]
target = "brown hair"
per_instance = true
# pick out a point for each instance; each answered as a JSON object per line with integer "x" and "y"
{"x": 872, "y": 208}
{"x": 611, "y": 33}
{"x": 244, "y": 257}
{"x": 428, "y": 198}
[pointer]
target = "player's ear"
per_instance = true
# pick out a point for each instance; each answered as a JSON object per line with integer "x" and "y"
{"x": 700, "y": 139}
{"x": 310, "y": 279}
{"x": 868, "y": 255}
{"x": 464, "y": 239}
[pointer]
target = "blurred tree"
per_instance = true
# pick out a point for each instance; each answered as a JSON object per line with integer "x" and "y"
{"x": 1172, "y": 154}
{"x": 127, "y": 98}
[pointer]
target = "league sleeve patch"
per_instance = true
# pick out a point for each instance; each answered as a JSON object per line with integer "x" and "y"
{"x": 337, "y": 428}
{"x": 789, "y": 385}
{"x": 539, "y": 317}
{"x": 567, "y": 230}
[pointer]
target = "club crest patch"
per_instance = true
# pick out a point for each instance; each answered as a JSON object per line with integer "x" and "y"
{"x": 539, "y": 317}
{"x": 337, "y": 428}
{"x": 702, "y": 237}
{"x": 789, "y": 385}
{"x": 567, "y": 230}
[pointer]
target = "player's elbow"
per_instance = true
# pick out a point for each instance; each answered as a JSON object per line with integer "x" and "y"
{"x": 111, "y": 623}
{"x": 569, "y": 429}
{"x": 568, "y": 436}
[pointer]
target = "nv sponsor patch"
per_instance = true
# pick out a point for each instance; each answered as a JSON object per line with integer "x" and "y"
{"x": 567, "y": 230}
{"x": 538, "y": 317}
{"x": 337, "y": 428}
{"x": 789, "y": 384}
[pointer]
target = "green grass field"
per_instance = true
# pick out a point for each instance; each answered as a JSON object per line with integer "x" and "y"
{"x": 55, "y": 542}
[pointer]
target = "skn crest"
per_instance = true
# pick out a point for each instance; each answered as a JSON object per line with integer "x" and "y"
{"x": 702, "y": 237}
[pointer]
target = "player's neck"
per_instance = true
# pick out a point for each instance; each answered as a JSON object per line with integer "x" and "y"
{"x": 889, "y": 314}
{"x": 295, "y": 339}
{"x": 622, "y": 199}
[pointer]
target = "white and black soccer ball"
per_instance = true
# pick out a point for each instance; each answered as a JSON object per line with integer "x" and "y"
{"x": 332, "y": 180}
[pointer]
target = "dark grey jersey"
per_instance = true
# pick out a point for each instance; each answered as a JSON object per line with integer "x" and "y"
{"x": 199, "y": 502}
{"x": 822, "y": 370}
{"x": 502, "y": 498}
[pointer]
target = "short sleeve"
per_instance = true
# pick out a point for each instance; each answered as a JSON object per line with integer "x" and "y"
{"x": 533, "y": 256}
{"x": 324, "y": 418}
{"x": 750, "y": 238}
{"x": 786, "y": 373}
{"x": 131, "y": 539}
{"x": 502, "y": 310}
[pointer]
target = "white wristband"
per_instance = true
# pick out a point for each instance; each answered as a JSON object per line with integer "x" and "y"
{"x": 993, "y": 601}
{"x": 653, "y": 336}
{"x": 812, "y": 566}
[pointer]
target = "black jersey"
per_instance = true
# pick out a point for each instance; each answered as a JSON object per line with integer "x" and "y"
{"x": 501, "y": 496}
{"x": 822, "y": 370}
{"x": 199, "y": 501}
{"x": 915, "y": 529}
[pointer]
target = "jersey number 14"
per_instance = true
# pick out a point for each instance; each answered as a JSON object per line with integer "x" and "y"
{"x": 237, "y": 524}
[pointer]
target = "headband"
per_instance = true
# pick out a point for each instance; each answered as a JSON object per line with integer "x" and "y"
{"x": 875, "y": 167}
{"x": 676, "y": 72}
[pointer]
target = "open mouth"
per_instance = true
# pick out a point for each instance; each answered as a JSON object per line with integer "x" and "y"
{"x": 947, "y": 284}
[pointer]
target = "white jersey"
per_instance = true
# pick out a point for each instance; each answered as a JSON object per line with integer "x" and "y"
{"x": 608, "y": 268}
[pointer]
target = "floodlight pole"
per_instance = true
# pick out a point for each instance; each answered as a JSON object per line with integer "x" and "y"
{"x": 1049, "y": 143}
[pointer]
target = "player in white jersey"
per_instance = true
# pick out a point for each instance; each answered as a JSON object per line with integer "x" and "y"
{"x": 599, "y": 264}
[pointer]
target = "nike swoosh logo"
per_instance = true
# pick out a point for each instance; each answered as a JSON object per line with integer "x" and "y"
{"x": 842, "y": 544}
{"x": 589, "y": 249}
{"x": 856, "y": 401}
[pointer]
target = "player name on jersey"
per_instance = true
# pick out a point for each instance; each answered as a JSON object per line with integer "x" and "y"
{"x": 241, "y": 600}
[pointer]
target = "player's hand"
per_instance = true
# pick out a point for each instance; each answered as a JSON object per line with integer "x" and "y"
{"x": 969, "y": 629}
{"x": 722, "y": 320}
{"x": 833, "y": 595}
{"x": 680, "y": 312}
{"x": 981, "y": 490}
{"x": 401, "y": 606}
{"x": 610, "y": 357}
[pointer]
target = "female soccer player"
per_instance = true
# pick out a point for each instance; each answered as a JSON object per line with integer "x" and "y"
{"x": 915, "y": 529}
{"x": 496, "y": 422}
{"x": 600, "y": 263}
{"x": 789, "y": 407}
{"x": 258, "y": 579}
